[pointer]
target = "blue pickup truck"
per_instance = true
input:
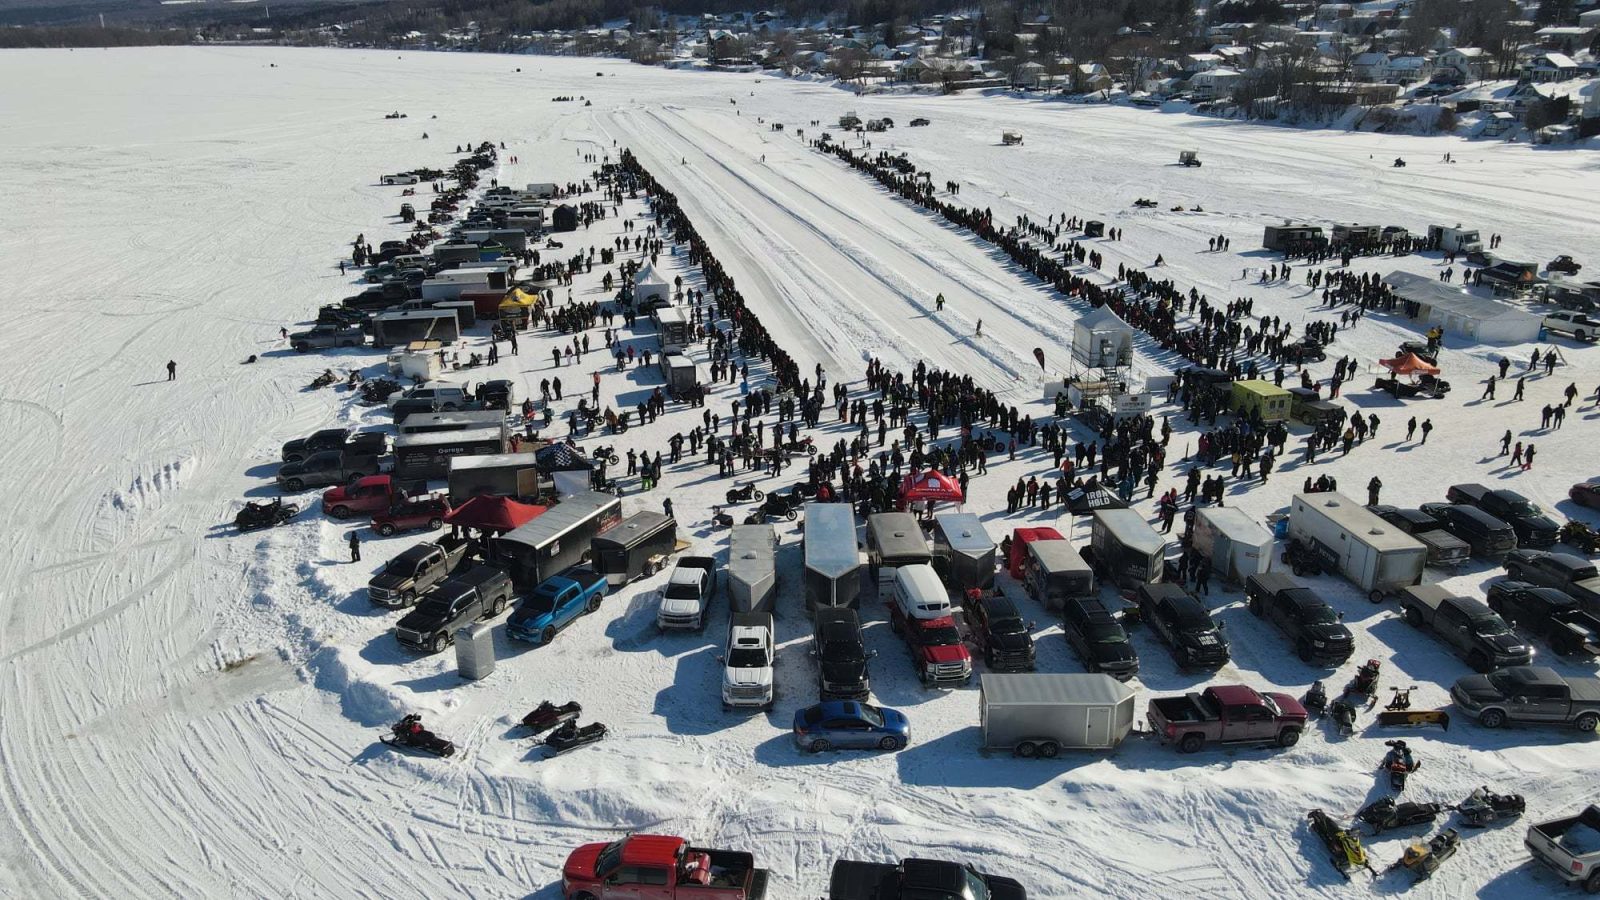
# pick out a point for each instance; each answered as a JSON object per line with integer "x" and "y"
{"x": 555, "y": 603}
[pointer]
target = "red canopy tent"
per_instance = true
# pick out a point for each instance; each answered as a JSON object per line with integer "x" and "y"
{"x": 496, "y": 515}
{"x": 928, "y": 488}
{"x": 1409, "y": 364}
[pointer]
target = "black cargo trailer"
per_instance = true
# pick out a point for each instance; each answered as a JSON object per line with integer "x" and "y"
{"x": 637, "y": 546}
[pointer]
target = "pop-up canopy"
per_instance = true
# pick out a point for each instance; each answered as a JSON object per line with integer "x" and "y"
{"x": 931, "y": 486}
{"x": 1409, "y": 364}
{"x": 497, "y": 515}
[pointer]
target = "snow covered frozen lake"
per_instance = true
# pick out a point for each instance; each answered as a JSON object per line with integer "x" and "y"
{"x": 185, "y": 711}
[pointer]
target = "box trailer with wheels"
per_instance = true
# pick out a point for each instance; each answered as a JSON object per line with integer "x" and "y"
{"x": 963, "y": 552}
{"x": 1237, "y": 545}
{"x": 1053, "y": 573}
{"x": 1375, "y": 556}
{"x": 895, "y": 539}
{"x": 752, "y": 568}
{"x": 1040, "y": 715}
{"x": 556, "y": 539}
{"x": 833, "y": 561}
{"x": 1126, "y": 549}
{"x": 636, "y": 547}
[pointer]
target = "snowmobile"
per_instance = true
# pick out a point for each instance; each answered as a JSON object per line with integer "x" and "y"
{"x": 1580, "y": 535}
{"x": 1365, "y": 682}
{"x": 1344, "y": 844}
{"x": 1483, "y": 806}
{"x": 1422, "y": 860}
{"x": 1343, "y": 714}
{"x": 1316, "y": 699}
{"x": 744, "y": 492}
{"x": 1399, "y": 763}
{"x": 408, "y": 733}
{"x": 570, "y": 736}
{"x": 1385, "y": 814}
{"x": 720, "y": 519}
{"x": 377, "y": 390}
{"x": 547, "y": 715}
{"x": 326, "y": 378}
{"x": 265, "y": 514}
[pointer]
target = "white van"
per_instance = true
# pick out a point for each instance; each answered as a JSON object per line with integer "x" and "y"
{"x": 747, "y": 667}
{"x": 920, "y": 594}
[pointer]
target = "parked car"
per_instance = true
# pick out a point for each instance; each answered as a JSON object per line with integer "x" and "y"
{"x": 1552, "y": 615}
{"x": 1096, "y": 635}
{"x": 918, "y": 122}
{"x": 841, "y": 657}
{"x": 473, "y": 593}
{"x": 997, "y": 630}
{"x": 1184, "y": 625}
{"x": 1585, "y": 493}
{"x": 849, "y": 724}
{"x": 918, "y": 879}
{"x": 326, "y": 336}
{"x": 747, "y": 666}
{"x": 416, "y": 512}
{"x": 556, "y": 603}
{"x": 1444, "y": 549}
{"x": 1570, "y": 846}
{"x": 374, "y": 443}
{"x": 1466, "y": 625}
{"x": 404, "y": 578}
{"x": 326, "y": 467}
{"x": 657, "y": 867}
{"x": 1577, "y": 325}
{"x": 1567, "y": 572}
{"x": 1227, "y": 714}
{"x": 686, "y": 599}
{"x": 1533, "y": 527}
{"x": 1318, "y": 633}
{"x": 1565, "y": 264}
{"x": 1529, "y": 694}
{"x": 1486, "y": 535}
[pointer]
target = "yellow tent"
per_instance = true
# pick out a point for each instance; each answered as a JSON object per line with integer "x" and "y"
{"x": 518, "y": 307}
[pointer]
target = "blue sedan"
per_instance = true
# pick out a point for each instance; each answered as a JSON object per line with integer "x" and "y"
{"x": 846, "y": 723}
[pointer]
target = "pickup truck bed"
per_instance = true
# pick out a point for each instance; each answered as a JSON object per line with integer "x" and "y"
{"x": 1570, "y": 846}
{"x": 1184, "y": 710}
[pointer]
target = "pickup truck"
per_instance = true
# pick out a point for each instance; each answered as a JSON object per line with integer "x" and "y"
{"x": 1096, "y": 634}
{"x": 476, "y": 592}
{"x": 937, "y": 651}
{"x": 657, "y": 867}
{"x": 842, "y": 672}
{"x": 1566, "y": 572}
{"x": 1570, "y": 846}
{"x": 1184, "y": 625}
{"x": 1317, "y": 631}
{"x": 372, "y": 494}
{"x": 321, "y": 336}
{"x": 1228, "y": 714}
{"x": 374, "y": 443}
{"x": 918, "y": 879}
{"x": 1550, "y": 614}
{"x": 1529, "y": 694}
{"x": 403, "y": 579}
{"x": 687, "y": 597}
{"x": 747, "y": 667}
{"x": 996, "y": 629}
{"x": 1466, "y": 625}
{"x": 413, "y": 512}
{"x": 556, "y": 603}
{"x": 1533, "y": 527}
{"x": 326, "y": 467}
{"x": 1445, "y": 550}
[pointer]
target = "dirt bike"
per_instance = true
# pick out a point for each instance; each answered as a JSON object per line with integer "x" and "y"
{"x": 745, "y": 492}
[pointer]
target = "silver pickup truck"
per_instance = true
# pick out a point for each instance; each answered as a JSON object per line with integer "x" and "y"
{"x": 1570, "y": 846}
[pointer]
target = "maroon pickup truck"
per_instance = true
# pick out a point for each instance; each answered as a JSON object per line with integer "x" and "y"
{"x": 1229, "y": 714}
{"x": 657, "y": 867}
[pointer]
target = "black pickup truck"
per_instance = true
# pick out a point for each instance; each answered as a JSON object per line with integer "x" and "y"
{"x": 1549, "y": 614}
{"x": 1466, "y": 625}
{"x": 1318, "y": 634}
{"x": 328, "y": 467}
{"x": 1533, "y": 527}
{"x": 373, "y": 443}
{"x": 478, "y": 592}
{"x": 919, "y": 879}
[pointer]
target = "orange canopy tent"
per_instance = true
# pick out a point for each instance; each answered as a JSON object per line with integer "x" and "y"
{"x": 1409, "y": 364}
{"x": 496, "y": 515}
{"x": 929, "y": 487}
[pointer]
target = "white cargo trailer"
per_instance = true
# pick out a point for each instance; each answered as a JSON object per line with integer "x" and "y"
{"x": 1376, "y": 556}
{"x": 1040, "y": 715}
{"x": 1237, "y": 545}
{"x": 833, "y": 560}
{"x": 752, "y": 568}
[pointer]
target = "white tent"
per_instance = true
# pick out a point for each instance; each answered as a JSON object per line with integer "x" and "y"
{"x": 648, "y": 284}
{"x": 1102, "y": 339}
{"x": 1463, "y": 313}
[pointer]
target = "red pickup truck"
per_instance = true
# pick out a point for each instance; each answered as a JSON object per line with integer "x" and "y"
{"x": 1228, "y": 714}
{"x": 937, "y": 650}
{"x": 657, "y": 867}
{"x": 374, "y": 493}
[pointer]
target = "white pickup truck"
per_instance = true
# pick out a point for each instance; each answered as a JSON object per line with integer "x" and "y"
{"x": 687, "y": 597}
{"x": 1571, "y": 847}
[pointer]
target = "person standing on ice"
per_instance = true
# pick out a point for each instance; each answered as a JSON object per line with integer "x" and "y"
{"x": 1373, "y": 487}
{"x": 172, "y": 368}
{"x": 355, "y": 547}
{"x": 979, "y": 332}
